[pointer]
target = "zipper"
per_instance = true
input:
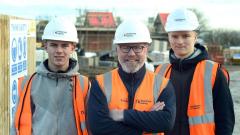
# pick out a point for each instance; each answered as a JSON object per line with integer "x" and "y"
{"x": 180, "y": 65}
{"x": 131, "y": 100}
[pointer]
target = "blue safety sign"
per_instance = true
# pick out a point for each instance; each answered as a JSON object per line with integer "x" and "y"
{"x": 18, "y": 36}
{"x": 24, "y": 47}
{"x": 14, "y": 91}
{"x": 14, "y": 50}
{"x": 24, "y": 65}
{"x": 20, "y": 48}
{"x": 20, "y": 67}
{"x": 14, "y": 69}
{"x": 13, "y": 110}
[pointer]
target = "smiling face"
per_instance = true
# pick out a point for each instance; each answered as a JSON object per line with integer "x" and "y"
{"x": 182, "y": 42}
{"x": 131, "y": 56}
{"x": 58, "y": 54}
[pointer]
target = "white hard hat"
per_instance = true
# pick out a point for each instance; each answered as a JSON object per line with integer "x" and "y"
{"x": 60, "y": 29}
{"x": 182, "y": 20}
{"x": 132, "y": 31}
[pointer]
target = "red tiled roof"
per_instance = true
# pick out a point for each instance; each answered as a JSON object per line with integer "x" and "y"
{"x": 100, "y": 19}
{"x": 163, "y": 18}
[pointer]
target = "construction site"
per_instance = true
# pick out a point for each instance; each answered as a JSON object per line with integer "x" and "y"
{"x": 95, "y": 54}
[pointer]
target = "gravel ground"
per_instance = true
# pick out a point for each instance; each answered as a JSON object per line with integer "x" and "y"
{"x": 235, "y": 91}
{"x": 234, "y": 72}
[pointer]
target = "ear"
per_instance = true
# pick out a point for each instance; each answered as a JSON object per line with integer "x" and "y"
{"x": 117, "y": 50}
{"x": 45, "y": 45}
{"x": 73, "y": 46}
{"x": 196, "y": 36}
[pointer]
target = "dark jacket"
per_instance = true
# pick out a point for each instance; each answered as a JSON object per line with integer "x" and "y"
{"x": 181, "y": 77}
{"x": 135, "y": 122}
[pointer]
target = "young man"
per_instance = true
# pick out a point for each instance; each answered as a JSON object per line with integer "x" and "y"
{"x": 131, "y": 99}
{"x": 52, "y": 99}
{"x": 204, "y": 102}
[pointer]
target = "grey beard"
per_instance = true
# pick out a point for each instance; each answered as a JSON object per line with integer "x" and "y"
{"x": 132, "y": 70}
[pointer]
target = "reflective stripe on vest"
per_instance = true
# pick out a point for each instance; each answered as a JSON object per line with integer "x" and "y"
{"x": 164, "y": 70}
{"x": 79, "y": 96}
{"x": 108, "y": 85}
{"x": 200, "y": 107}
{"x": 81, "y": 80}
{"x": 157, "y": 84}
{"x": 117, "y": 94}
{"x": 23, "y": 119}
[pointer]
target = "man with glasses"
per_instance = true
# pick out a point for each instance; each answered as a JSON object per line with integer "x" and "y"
{"x": 131, "y": 99}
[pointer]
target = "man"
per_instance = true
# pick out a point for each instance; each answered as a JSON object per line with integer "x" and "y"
{"x": 131, "y": 99}
{"x": 52, "y": 99}
{"x": 204, "y": 102}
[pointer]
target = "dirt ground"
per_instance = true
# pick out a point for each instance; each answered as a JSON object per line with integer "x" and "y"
{"x": 234, "y": 72}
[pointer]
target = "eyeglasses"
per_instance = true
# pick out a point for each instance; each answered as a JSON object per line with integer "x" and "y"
{"x": 136, "y": 49}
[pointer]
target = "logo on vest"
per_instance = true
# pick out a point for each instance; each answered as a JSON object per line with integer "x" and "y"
{"x": 143, "y": 101}
{"x": 124, "y": 100}
{"x": 193, "y": 107}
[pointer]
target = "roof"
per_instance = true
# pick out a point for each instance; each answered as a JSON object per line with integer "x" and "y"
{"x": 161, "y": 19}
{"x": 100, "y": 19}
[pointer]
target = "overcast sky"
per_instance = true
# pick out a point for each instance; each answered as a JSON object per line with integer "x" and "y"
{"x": 219, "y": 13}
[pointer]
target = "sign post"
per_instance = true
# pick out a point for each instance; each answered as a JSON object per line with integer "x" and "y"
{"x": 18, "y": 59}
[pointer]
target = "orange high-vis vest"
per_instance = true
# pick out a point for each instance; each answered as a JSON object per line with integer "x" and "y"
{"x": 200, "y": 107}
{"x": 145, "y": 97}
{"x": 23, "y": 118}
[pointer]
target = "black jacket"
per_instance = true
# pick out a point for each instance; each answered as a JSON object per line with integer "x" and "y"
{"x": 181, "y": 77}
{"x": 135, "y": 122}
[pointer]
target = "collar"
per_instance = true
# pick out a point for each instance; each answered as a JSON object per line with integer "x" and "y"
{"x": 72, "y": 64}
{"x": 139, "y": 75}
{"x": 198, "y": 55}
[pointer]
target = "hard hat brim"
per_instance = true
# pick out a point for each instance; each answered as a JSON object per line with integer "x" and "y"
{"x": 125, "y": 42}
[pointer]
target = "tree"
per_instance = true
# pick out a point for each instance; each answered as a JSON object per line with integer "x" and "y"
{"x": 203, "y": 24}
{"x": 223, "y": 37}
{"x": 202, "y": 20}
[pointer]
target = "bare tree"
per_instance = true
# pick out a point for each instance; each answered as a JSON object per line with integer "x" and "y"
{"x": 202, "y": 20}
{"x": 223, "y": 37}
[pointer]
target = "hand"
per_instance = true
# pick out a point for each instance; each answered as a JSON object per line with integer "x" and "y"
{"x": 116, "y": 115}
{"x": 158, "y": 106}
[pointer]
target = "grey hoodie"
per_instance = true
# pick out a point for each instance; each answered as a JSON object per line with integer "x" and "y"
{"x": 51, "y": 97}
